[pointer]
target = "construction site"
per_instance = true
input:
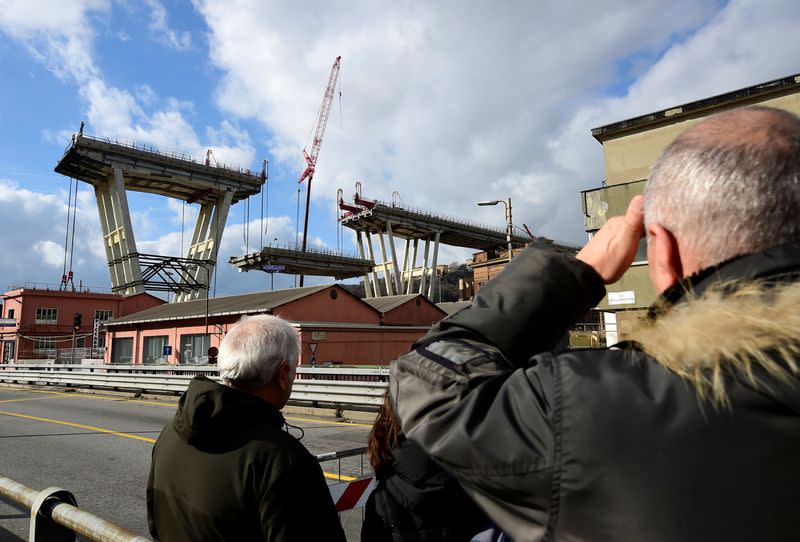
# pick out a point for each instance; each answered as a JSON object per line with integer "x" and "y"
{"x": 159, "y": 308}
{"x": 389, "y": 290}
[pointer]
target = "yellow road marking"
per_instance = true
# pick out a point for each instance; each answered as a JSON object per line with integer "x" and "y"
{"x": 101, "y": 397}
{"x": 79, "y": 426}
{"x": 126, "y": 435}
{"x": 168, "y": 405}
{"x": 348, "y": 424}
{"x": 28, "y": 399}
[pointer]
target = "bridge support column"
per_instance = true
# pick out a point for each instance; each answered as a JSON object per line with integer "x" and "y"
{"x": 411, "y": 266}
{"x": 395, "y": 267}
{"x": 205, "y": 244}
{"x": 367, "y": 284}
{"x": 386, "y": 276}
{"x": 424, "y": 275}
{"x": 118, "y": 240}
{"x": 376, "y": 287}
{"x": 433, "y": 266}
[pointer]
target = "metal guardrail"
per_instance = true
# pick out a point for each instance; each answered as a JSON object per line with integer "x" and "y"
{"x": 313, "y": 385}
{"x": 55, "y": 516}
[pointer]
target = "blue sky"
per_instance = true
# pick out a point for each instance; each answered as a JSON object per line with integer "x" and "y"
{"x": 446, "y": 104}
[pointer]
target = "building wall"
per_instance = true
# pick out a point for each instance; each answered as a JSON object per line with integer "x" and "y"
{"x": 217, "y": 328}
{"x": 334, "y": 343}
{"x": 629, "y": 157}
{"x": 343, "y": 328}
{"x": 418, "y": 311}
{"x": 356, "y": 346}
{"x": 24, "y": 302}
{"x": 329, "y": 305}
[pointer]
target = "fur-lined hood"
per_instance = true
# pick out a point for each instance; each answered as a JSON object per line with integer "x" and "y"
{"x": 728, "y": 329}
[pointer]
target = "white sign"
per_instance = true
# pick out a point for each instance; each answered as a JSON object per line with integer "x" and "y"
{"x": 6, "y": 322}
{"x": 627, "y": 297}
{"x": 313, "y": 347}
{"x": 96, "y": 334}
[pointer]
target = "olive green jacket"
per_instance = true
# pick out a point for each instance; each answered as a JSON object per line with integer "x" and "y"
{"x": 224, "y": 469}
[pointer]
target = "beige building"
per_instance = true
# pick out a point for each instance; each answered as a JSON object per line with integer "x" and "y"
{"x": 630, "y": 147}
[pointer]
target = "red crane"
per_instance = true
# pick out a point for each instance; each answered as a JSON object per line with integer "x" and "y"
{"x": 311, "y": 159}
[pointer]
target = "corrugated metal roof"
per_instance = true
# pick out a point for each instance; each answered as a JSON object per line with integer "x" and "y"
{"x": 452, "y": 307}
{"x": 386, "y": 303}
{"x": 219, "y": 306}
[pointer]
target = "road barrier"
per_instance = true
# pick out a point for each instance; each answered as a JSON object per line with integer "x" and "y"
{"x": 55, "y": 516}
{"x": 337, "y": 387}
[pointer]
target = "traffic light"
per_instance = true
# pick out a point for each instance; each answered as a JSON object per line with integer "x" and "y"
{"x": 76, "y": 321}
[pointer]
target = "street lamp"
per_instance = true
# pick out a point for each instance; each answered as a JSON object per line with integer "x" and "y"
{"x": 509, "y": 224}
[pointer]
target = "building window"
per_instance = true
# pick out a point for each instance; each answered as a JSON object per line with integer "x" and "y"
{"x": 46, "y": 316}
{"x": 10, "y": 313}
{"x": 153, "y": 349}
{"x": 122, "y": 350}
{"x": 194, "y": 348}
{"x": 8, "y": 351}
{"x": 103, "y": 315}
{"x": 44, "y": 343}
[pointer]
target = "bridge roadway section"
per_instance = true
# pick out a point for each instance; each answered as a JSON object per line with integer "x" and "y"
{"x": 98, "y": 447}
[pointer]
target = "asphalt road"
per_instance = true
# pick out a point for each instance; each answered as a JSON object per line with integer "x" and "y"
{"x": 98, "y": 447}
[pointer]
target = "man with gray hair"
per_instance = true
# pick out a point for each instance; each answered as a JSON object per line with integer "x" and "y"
{"x": 225, "y": 468}
{"x": 690, "y": 430}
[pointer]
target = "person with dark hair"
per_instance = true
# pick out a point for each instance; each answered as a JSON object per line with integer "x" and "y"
{"x": 415, "y": 500}
{"x": 690, "y": 430}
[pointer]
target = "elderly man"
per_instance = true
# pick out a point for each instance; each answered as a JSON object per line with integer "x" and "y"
{"x": 690, "y": 430}
{"x": 225, "y": 468}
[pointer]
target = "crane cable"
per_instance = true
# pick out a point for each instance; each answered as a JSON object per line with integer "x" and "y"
{"x": 265, "y": 228}
{"x": 66, "y": 237}
{"x": 74, "y": 216}
{"x": 246, "y": 228}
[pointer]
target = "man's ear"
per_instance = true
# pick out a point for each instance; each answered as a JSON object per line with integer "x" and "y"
{"x": 284, "y": 375}
{"x": 663, "y": 257}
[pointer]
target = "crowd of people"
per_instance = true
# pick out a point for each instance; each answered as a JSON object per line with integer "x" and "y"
{"x": 687, "y": 430}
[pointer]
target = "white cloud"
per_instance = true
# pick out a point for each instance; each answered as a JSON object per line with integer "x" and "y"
{"x": 439, "y": 101}
{"x": 747, "y": 43}
{"x": 52, "y": 253}
{"x": 39, "y": 250}
{"x": 60, "y": 36}
{"x": 123, "y": 36}
{"x": 158, "y": 24}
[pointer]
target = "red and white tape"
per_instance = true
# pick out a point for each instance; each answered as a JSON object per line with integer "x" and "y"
{"x": 349, "y": 495}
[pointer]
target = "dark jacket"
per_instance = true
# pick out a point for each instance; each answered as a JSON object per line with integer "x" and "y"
{"x": 225, "y": 469}
{"x": 690, "y": 433}
{"x": 418, "y": 501}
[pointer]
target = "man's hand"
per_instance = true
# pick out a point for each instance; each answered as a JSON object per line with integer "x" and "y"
{"x": 612, "y": 249}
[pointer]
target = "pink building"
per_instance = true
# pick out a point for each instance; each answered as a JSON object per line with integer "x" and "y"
{"x": 335, "y": 326}
{"x": 40, "y": 322}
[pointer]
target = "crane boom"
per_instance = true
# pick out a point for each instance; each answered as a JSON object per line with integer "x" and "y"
{"x": 311, "y": 159}
{"x": 322, "y": 123}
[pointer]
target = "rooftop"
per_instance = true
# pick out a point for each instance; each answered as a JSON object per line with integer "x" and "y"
{"x": 741, "y": 97}
{"x": 388, "y": 302}
{"x": 256, "y": 303}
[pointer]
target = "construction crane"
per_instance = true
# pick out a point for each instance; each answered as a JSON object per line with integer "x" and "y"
{"x": 311, "y": 158}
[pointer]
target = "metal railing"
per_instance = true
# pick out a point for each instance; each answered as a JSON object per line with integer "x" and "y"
{"x": 313, "y": 385}
{"x": 55, "y": 516}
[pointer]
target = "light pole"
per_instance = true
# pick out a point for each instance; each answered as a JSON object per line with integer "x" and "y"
{"x": 509, "y": 223}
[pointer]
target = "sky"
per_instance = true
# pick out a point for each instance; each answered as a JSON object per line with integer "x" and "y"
{"x": 445, "y": 103}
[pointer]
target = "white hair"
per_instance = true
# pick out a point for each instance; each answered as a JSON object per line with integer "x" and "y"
{"x": 255, "y": 347}
{"x": 730, "y": 185}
